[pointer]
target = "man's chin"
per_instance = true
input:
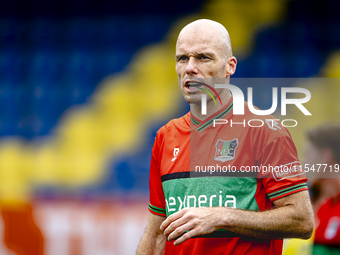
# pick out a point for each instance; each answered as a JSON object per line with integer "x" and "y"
{"x": 193, "y": 99}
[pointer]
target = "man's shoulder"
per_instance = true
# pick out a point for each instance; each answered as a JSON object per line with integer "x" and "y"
{"x": 182, "y": 123}
{"x": 176, "y": 129}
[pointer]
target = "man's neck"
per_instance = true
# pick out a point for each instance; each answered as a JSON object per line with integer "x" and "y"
{"x": 195, "y": 109}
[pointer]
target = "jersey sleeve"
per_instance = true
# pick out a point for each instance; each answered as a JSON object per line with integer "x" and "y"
{"x": 283, "y": 174}
{"x": 157, "y": 199}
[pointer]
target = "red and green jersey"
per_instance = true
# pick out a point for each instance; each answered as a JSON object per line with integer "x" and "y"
{"x": 327, "y": 233}
{"x": 204, "y": 164}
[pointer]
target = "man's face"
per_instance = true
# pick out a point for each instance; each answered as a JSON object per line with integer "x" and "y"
{"x": 199, "y": 56}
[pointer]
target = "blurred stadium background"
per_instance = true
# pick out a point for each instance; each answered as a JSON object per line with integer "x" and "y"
{"x": 85, "y": 85}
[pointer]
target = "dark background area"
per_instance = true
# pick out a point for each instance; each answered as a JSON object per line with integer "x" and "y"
{"x": 53, "y": 54}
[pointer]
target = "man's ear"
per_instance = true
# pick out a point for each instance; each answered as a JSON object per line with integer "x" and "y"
{"x": 231, "y": 66}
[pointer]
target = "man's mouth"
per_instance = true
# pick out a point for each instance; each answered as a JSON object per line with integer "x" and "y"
{"x": 194, "y": 84}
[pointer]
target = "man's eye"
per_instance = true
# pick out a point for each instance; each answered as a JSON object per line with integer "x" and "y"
{"x": 202, "y": 57}
{"x": 182, "y": 58}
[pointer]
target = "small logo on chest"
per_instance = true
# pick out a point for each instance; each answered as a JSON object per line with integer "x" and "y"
{"x": 225, "y": 150}
{"x": 176, "y": 151}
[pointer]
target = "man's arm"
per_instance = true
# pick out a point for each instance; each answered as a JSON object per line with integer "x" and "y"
{"x": 153, "y": 240}
{"x": 292, "y": 218}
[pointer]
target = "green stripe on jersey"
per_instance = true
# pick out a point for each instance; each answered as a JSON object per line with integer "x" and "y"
{"x": 287, "y": 190}
{"x": 196, "y": 123}
{"x": 219, "y": 116}
{"x": 210, "y": 192}
{"x": 156, "y": 209}
{"x": 324, "y": 249}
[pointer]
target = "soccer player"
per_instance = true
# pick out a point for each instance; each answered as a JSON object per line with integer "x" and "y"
{"x": 323, "y": 147}
{"x": 200, "y": 212}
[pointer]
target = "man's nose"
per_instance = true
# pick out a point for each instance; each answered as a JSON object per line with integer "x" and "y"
{"x": 191, "y": 68}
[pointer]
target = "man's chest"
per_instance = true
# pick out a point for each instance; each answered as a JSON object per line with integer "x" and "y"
{"x": 222, "y": 151}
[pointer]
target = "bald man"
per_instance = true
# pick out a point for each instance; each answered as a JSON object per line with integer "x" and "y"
{"x": 211, "y": 213}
